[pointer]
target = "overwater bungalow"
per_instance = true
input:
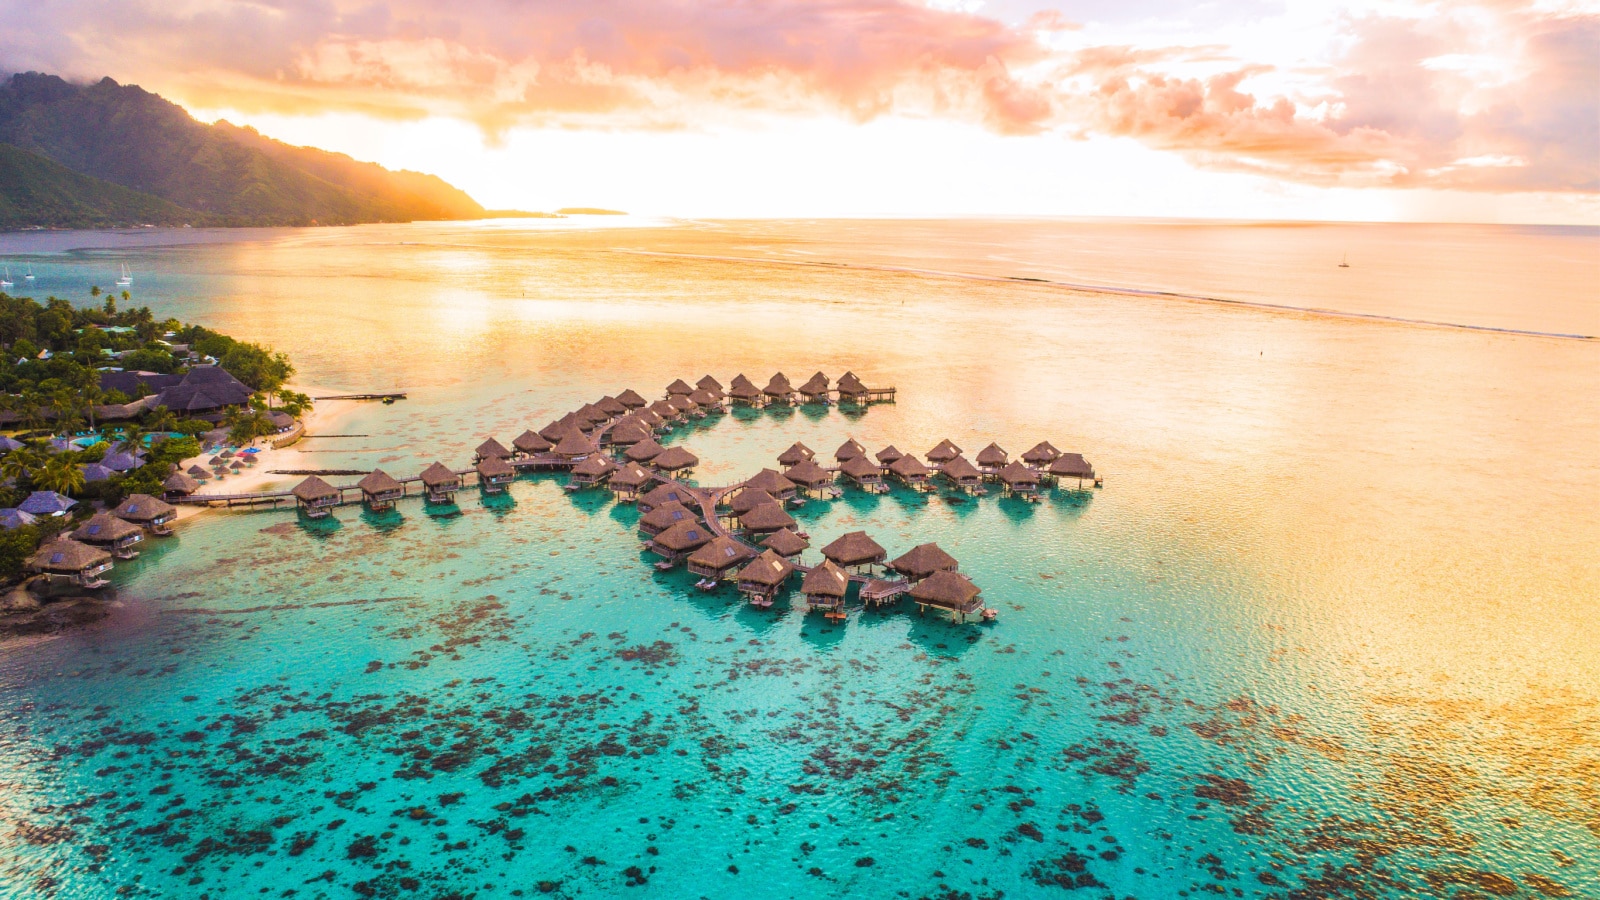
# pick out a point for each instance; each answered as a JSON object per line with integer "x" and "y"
{"x": 380, "y": 490}
{"x": 611, "y": 406}
{"x": 593, "y": 415}
{"x": 494, "y": 474}
{"x": 558, "y": 429}
{"x": 745, "y": 392}
{"x": 684, "y": 406}
{"x": 668, "y": 492}
{"x": 632, "y": 399}
{"x": 1073, "y": 465}
{"x": 785, "y": 542}
{"x": 810, "y": 476}
{"x": 950, "y": 591}
{"x": 887, "y": 457}
{"x": 992, "y": 459}
{"x": 774, "y": 483}
{"x": 1020, "y": 480}
{"x": 708, "y": 401}
{"x": 763, "y": 577}
{"x": 765, "y": 518}
{"x": 147, "y": 511}
{"x": 575, "y": 447}
{"x": 855, "y": 551}
{"x": 962, "y": 474}
{"x": 111, "y": 534}
{"x": 850, "y": 449}
{"x": 815, "y": 390}
{"x": 923, "y": 560}
{"x": 679, "y": 387}
{"x": 880, "y": 592}
{"x": 796, "y": 454}
{"x": 628, "y": 480}
{"x": 866, "y": 474}
{"x": 649, "y": 418}
{"x": 440, "y": 483}
{"x": 78, "y": 564}
{"x": 718, "y": 559}
{"x": 592, "y": 471}
{"x": 644, "y": 451}
{"x": 674, "y": 460}
{"x": 747, "y": 499}
{"x": 910, "y": 471}
{"x": 779, "y": 390}
{"x": 490, "y": 449}
{"x": 1042, "y": 455}
{"x": 943, "y": 453}
{"x": 707, "y": 383}
{"x": 530, "y": 442}
{"x": 179, "y": 485}
{"x": 629, "y": 431}
{"x": 665, "y": 516}
{"x": 825, "y": 586}
{"x": 851, "y": 390}
{"x": 315, "y": 497}
{"x": 678, "y": 541}
{"x": 666, "y": 412}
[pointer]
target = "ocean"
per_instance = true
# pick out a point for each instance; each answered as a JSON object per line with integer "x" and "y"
{"x": 1328, "y": 630}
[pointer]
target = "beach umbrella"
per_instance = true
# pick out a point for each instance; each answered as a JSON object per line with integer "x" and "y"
{"x": 226, "y": 454}
{"x": 216, "y": 461}
{"x": 197, "y": 471}
{"x": 251, "y": 450}
{"x": 237, "y": 465}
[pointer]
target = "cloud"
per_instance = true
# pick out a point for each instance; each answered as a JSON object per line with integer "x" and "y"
{"x": 1497, "y": 95}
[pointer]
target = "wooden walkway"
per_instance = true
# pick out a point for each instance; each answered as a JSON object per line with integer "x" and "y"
{"x": 399, "y": 395}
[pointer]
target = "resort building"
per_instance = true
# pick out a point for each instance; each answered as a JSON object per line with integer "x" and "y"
{"x": 1042, "y": 455}
{"x": 575, "y": 447}
{"x": 1072, "y": 465}
{"x": 679, "y": 388}
{"x": 529, "y": 443}
{"x": 315, "y": 497}
{"x": 665, "y": 516}
{"x": 148, "y": 512}
{"x": 774, "y": 483}
{"x": 719, "y": 558}
{"x": 825, "y": 587}
{"x": 796, "y": 454}
{"x": 810, "y": 476}
{"x": 632, "y": 399}
{"x": 943, "y": 453}
{"x": 679, "y": 541}
{"x": 1020, "y": 480}
{"x": 628, "y": 480}
{"x": 923, "y": 560}
{"x": 707, "y": 383}
{"x": 380, "y": 490}
{"x": 849, "y": 450}
{"x": 76, "y": 563}
{"x": 667, "y": 412}
{"x": 644, "y": 451}
{"x": 611, "y": 406}
{"x": 440, "y": 483}
{"x": 490, "y": 449}
{"x": 110, "y": 533}
{"x": 494, "y": 473}
{"x": 629, "y": 431}
{"x": 765, "y": 518}
{"x": 865, "y": 473}
{"x": 668, "y": 492}
{"x": 749, "y": 498}
{"x": 744, "y": 391}
{"x": 855, "y": 551}
{"x": 763, "y": 577}
{"x": 592, "y": 471}
{"x": 179, "y": 485}
{"x": 815, "y": 390}
{"x": 785, "y": 542}
{"x": 708, "y": 401}
{"x": 779, "y": 390}
{"x": 992, "y": 459}
{"x": 47, "y": 503}
{"x": 910, "y": 471}
{"x": 674, "y": 460}
{"x": 962, "y": 474}
{"x": 887, "y": 457}
{"x": 950, "y": 591}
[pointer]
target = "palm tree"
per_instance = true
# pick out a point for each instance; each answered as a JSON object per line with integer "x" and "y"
{"x": 91, "y": 395}
{"x": 131, "y": 433}
{"x": 30, "y": 410}
{"x": 61, "y": 476}
{"x": 19, "y": 463}
{"x": 161, "y": 419}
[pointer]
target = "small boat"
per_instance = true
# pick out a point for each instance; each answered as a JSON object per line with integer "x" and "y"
{"x": 29, "y": 276}
{"x": 7, "y": 282}
{"x": 1345, "y": 262}
{"x": 127, "y": 277}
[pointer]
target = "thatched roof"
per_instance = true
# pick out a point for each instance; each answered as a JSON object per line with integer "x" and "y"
{"x": 629, "y": 431}
{"x": 1016, "y": 474}
{"x": 1042, "y": 452}
{"x": 766, "y": 517}
{"x": 960, "y": 469}
{"x": 778, "y": 386}
{"x": 591, "y": 414}
{"x": 888, "y": 455}
{"x": 947, "y": 590}
{"x": 827, "y": 580}
{"x": 379, "y": 482}
{"x": 683, "y": 536}
{"x": 179, "y": 483}
{"x": 854, "y": 549}
{"x": 632, "y": 399}
{"x": 860, "y": 467}
{"x": 575, "y": 443}
{"x": 495, "y": 467}
{"x": 648, "y": 417}
{"x": 808, "y": 473}
{"x": 1072, "y": 465}
{"x": 492, "y": 448}
{"x": 771, "y": 481}
{"x": 558, "y": 429}
{"x": 673, "y": 459}
{"x": 631, "y": 475}
{"x": 144, "y": 508}
{"x": 707, "y": 383}
{"x": 993, "y": 455}
{"x": 850, "y": 384}
{"x": 104, "y": 528}
{"x": 909, "y": 467}
{"x": 198, "y": 471}
{"x": 611, "y": 406}
{"x": 665, "y": 410}
{"x": 679, "y": 386}
{"x": 666, "y": 515}
{"x": 722, "y": 553}
{"x": 744, "y": 391}
{"x": 769, "y": 570}
{"x": 923, "y": 560}
{"x": 785, "y": 542}
{"x": 644, "y": 450}
{"x": 531, "y": 442}
{"x": 705, "y": 398}
{"x": 944, "y": 452}
{"x": 682, "y": 403}
{"x": 670, "y": 492}
{"x": 816, "y": 384}
{"x": 313, "y": 489}
{"x": 741, "y": 381}
{"x": 795, "y": 454}
{"x": 437, "y": 475}
{"x": 67, "y": 557}
{"x": 749, "y": 498}
{"x": 850, "y": 449}
{"x": 594, "y": 466}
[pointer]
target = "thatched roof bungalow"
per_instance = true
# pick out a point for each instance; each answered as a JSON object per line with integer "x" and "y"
{"x": 665, "y": 516}
{"x": 815, "y": 390}
{"x": 910, "y": 471}
{"x": 680, "y": 388}
{"x": 946, "y": 451}
{"x": 992, "y": 459}
{"x": 629, "y": 431}
{"x": 78, "y": 563}
{"x": 809, "y": 475}
{"x": 108, "y": 532}
{"x": 629, "y": 479}
{"x": 380, "y": 490}
{"x": 949, "y": 591}
{"x": 679, "y": 540}
{"x": 796, "y": 454}
{"x": 745, "y": 393}
{"x": 774, "y": 483}
{"x": 785, "y": 542}
{"x": 440, "y": 483}
{"x": 611, "y": 406}
{"x": 1072, "y": 465}
{"x": 530, "y": 442}
{"x": 719, "y": 558}
{"x": 1019, "y": 479}
{"x": 491, "y": 449}
{"x": 763, "y": 577}
{"x": 855, "y": 550}
{"x": 179, "y": 485}
{"x": 1042, "y": 454}
{"x": 670, "y": 491}
{"x": 592, "y": 470}
{"x": 765, "y": 518}
{"x": 707, "y": 400}
{"x": 576, "y": 446}
{"x": 850, "y": 449}
{"x": 494, "y": 474}
{"x": 778, "y": 388}
{"x": 864, "y": 472}
{"x": 961, "y": 473}
{"x": 632, "y": 399}
{"x": 851, "y": 389}
{"x": 666, "y": 411}
{"x": 315, "y": 497}
{"x": 749, "y": 498}
{"x": 674, "y": 459}
{"x": 887, "y": 456}
{"x": 707, "y": 383}
{"x": 923, "y": 560}
{"x": 145, "y": 510}
{"x": 825, "y": 587}
{"x": 644, "y": 451}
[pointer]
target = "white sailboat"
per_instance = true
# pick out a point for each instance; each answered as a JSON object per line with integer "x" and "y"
{"x": 1345, "y": 262}
{"x": 127, "y": 277}
{"x": 7, "y": 282}
{"x": 29, "y": 276}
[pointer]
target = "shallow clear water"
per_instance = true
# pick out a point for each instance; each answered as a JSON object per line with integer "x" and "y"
{"x": 1329, "y": 628}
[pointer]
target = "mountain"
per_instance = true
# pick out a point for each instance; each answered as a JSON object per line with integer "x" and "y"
{"x": 226, "y": 174}
{"x": 35, "y": 191}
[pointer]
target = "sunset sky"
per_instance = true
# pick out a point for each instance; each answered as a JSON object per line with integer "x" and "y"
{"x": 1375, "y": 109}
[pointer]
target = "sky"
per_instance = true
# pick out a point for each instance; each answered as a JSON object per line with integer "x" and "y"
{"x": 1466, "y": 110}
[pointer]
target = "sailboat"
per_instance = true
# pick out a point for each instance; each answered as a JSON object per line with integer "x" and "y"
{"x": 127, "y": 277}
{"x": 7, "y": 282}
{"x": 29, "y": 276}
{"x": 1345, "y": 263}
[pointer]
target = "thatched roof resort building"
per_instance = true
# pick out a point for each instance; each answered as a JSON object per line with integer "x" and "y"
{"x": 668, "y": 492}
{"x": 962, "y": 474}
{"x": 179, "y": 485}
{"x": 808, "y": 475}
{"x": 76, "y": 563}
{"x": 679, "y": 388}
{"x": 866, "y": 474}
{"x": 529, "y": 443}
{"x": 950, "y": 591}
{"x": 632, "y": 399}
{"x": 592, "y": 471}
{"x": 494, "y": 473}
{"x": 148, "y": 512}
{"x": 785, "y": 542}
{"x": 765, "y": 518}
{"x": 825, "y": 587}
{"x": 674, "y": 460}
{"x": 315, "y": 497}
{"x": 1042, "y": 454}
{"x": 628, "y": 480}
{"x": 910, "y": 471}
{"x": 718, "y": 559}
{"x": 380, "y": 490}
{"x": 943, "y": 453}
{"x": 763, "y": 577}
{"x": 992, "y": 459}
{"x": 110, "y": 533}
{"x": 679, "y": 541}
{"x": 849, "y": 450}
{"x": 923, "y": 560}
{"x": 815, "y": 390}
{"x": 855, "y": 551}
{"x": 644, "y": 451}
{"x": 1020, "y": 480}
{"x": 490, "y": 449}
{"x": 779, "y": 390}
{"x": 773, "y": 482}
{"x": 743, "y": 390}
{"x": 665, "y": 516}
{"x": 1073, "y": 465}
{"x": 796, "y": 454}
{"x": 440, "y": 484}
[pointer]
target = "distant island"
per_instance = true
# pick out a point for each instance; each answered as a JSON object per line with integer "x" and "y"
{"x": 106, "y": 154}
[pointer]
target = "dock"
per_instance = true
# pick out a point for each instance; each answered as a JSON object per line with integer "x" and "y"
{"x": 398, "y": 395}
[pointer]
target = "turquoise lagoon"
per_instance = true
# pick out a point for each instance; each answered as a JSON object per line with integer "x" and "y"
{"x": 1328, "y": 631}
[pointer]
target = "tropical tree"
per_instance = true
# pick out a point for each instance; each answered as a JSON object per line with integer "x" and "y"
{"x": 19, "y": 464}
{"x": 161, "y": 419}
{"x": 30, "y": 410}
{"x": 60, "y": 475}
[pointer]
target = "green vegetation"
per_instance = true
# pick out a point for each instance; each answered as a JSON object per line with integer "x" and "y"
{"x": 35, "y": 191}
{"x": 212, "y": 174}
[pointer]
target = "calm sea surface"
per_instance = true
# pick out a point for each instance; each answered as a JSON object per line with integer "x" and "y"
{"x": 1331, "y": 629}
